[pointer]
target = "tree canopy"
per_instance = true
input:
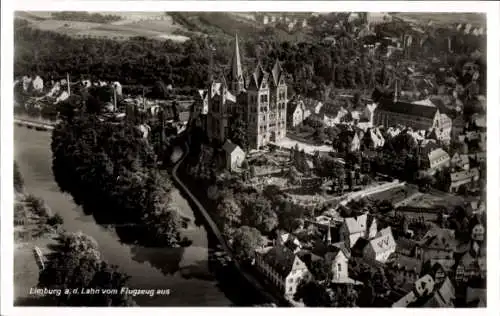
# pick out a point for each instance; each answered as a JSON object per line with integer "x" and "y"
{"x": 77, "y": 264}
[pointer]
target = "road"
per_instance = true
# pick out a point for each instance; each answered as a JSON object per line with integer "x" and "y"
{"x": 247, "y": 276}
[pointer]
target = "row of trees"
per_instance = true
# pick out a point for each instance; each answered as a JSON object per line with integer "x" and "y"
{"x": 110, "y": 169}
{"x": 83, "y": 16}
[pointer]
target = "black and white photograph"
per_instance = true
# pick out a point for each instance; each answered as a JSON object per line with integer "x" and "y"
{"x": 260, "y": 158}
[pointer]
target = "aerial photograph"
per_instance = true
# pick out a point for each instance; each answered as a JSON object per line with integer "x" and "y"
{"x": 249, "y": 159}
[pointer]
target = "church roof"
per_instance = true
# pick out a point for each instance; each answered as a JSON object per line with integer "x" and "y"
{"x": 406, "y": 108}
{"x": 276, "y": 72}
{"x": 258, "y": 75}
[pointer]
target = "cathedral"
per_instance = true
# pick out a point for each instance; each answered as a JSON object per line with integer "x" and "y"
{"x": 259, "y": 100}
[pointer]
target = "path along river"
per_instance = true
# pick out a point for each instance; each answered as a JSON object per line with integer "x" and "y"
{"x": 185, "y": 271}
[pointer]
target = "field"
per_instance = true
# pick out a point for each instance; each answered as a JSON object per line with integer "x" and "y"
{"x": 155, "y": 27}
{"x": 444, "y": 18}
{"x": 176, "y": 26}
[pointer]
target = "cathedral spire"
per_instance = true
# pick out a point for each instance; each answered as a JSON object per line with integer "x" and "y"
{"x": 236, "y": 71}
{"x": 237, "y": 83}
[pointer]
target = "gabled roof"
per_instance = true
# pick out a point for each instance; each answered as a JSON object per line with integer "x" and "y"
{"x": 230, "y": 147}
{"x": 443, "y": 296}
{"x": 356, "y": 224}
{"x": 439, "y": 238}
{"x": 383, "y": 241}
{"x": 281, "y": 259}
{"x": 257, "y": 77}
{"x": 322, "y": 249}
{"x": 406, "y": 108}
{"x": 437, "y": 153}
{"x": 276, "y": 72}
{"x": 202, "y": 93}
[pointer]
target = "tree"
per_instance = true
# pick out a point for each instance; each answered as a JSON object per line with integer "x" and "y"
{"x": 229, "y": 212}
{"x": 244, "y": 242}
{"x": 77, "y": 264}
{"x": 293, "y": 175}
{"x": 340, "y": 176}
{"x": 163, "y": 223}
{"x": 259, "y": 213}
{"x": 238, "y": 132}
{"x": 253, "y": 172}
{"x": 18, "y": 178}
{"x": 314, "y": 294}
{"x": 321, "y": 269}
{"x": 159, "y": 90}
{"x": 404, "y": 224}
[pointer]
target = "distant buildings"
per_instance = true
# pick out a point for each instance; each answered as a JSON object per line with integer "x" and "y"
{"x": 261, "y": 102}
{"x": 374, "y": 18}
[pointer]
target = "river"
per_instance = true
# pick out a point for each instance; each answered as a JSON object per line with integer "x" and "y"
{"x": 185, "y": 271}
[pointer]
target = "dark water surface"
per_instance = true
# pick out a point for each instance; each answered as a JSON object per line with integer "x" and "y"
{"x": 185, "y": 271}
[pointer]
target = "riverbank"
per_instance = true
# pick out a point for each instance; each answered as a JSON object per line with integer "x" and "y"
{"x": 187, "y": 271}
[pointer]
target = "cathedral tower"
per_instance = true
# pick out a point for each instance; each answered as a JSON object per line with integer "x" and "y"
{"x": 237, "y": 84}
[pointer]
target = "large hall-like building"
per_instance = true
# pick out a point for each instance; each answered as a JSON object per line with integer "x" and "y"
{"x": 259, "y": 100}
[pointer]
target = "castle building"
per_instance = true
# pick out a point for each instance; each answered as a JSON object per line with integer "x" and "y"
{"x": 261, "y": 102}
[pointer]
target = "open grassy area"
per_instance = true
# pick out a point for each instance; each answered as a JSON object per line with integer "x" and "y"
{"x": 32, "y": 231}
{"x": 26, "y": 270}
{"x": 159, "y": 29}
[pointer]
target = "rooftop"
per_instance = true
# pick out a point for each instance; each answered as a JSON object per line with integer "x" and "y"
{"x": 407, "y": 108}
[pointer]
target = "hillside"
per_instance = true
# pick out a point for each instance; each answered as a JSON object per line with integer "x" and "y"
{"x": 152, "y": 25}
{"x": 443, "y": 18}
{"x": 246, "y": 25}
{"x": 177, "y": 26}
